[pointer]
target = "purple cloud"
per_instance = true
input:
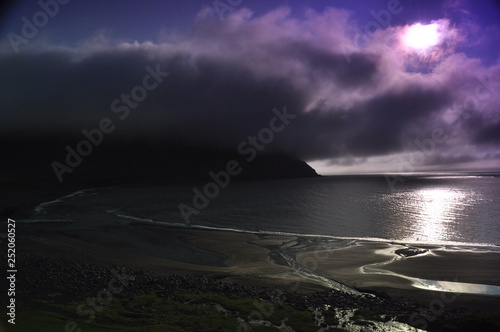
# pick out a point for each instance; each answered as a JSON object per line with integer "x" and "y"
{"x": 356, "y": 106}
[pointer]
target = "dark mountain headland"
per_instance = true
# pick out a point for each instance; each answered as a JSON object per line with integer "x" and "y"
{"x": 52, "y": 161}
{"x": 34, "y": 170}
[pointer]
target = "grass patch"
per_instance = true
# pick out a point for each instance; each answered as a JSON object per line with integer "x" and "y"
{"x": 140, "y": 313}
{"x": 245, "y": 307}
{"x": 39, "y": 321}
{"x": 330, "y": 318}
{"x": 296, "y": 319}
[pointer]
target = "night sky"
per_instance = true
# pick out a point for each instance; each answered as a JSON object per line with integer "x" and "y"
{"x": 374, "y": 85}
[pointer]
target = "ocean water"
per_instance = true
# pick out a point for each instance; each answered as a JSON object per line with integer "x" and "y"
{"x": 447, "y": 208}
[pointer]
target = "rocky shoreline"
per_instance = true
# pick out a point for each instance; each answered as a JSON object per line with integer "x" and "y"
{"x": 73, "y": 281}
{"x": 108, "y": 279}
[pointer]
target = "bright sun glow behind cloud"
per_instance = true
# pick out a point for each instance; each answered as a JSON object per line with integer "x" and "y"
{"x": 421, "y": 37}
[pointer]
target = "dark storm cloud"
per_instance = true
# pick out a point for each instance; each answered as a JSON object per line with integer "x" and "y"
{"x": 348, "y": 70}
{"x": 222, "y": 86}
{"x": 442, "y": 159}
{"x": 490, "y": 134}
{"x": 374, "y": 127}
{"x": 463, "y": 158}
{"x": 204, "y": 100}
{"x": 386, "y": 117}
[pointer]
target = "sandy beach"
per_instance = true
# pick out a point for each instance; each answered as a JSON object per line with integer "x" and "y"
{"x": 289, "y": 262}
{"x": 62, "y": 265}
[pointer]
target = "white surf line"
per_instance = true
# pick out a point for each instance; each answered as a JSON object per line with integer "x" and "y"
{"x": 461, "y": 245}
{"x": 40, "y": 208}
